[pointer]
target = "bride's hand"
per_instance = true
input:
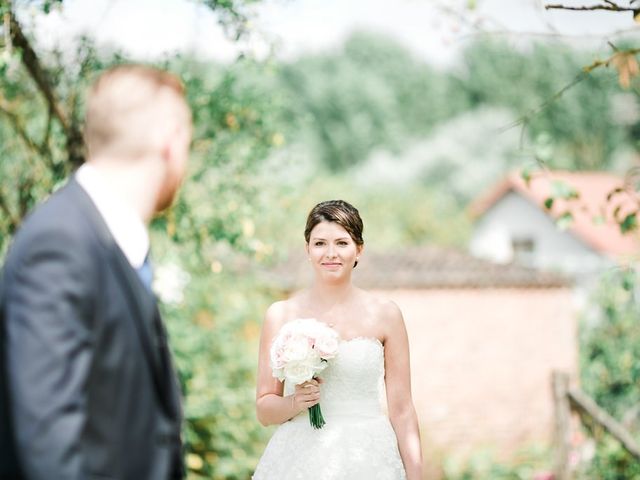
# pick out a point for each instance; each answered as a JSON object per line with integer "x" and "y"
{"x": 307, "y": 394}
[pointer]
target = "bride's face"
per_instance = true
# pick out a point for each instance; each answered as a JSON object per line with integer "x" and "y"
{"x": 332, "y": 251}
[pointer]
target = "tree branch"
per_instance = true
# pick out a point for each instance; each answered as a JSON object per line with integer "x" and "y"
{"x": 13, "y": 222}
{"x": 47, "y": 133}
{"x": 611, "y": 6}
{"x": 38, "y": 74}
{"x": 14, "y": 120}
{"x": 586, "y": 71}
{"x": 75, "y": 146}
{"x": 605, "y": 63}
{"x": 534, "y": 111}
{"x": 553, "y": 35}
{"x": 24, "y": 196}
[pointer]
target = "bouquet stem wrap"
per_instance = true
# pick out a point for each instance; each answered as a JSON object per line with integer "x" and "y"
{"x": 315, "y": 417}
{"x": 300, "y": 351}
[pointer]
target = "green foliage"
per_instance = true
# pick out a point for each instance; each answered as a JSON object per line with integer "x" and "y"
{"x": 579, "y": 123}
{"x": 214, "y": 334}
{"x": 533, "y": 462}
{"x": 372, "y": 93}
{"x": 611, "y": 462}
{"x": 610, "y": 369}
{"x": 232, "y": 14}
{"x": 32, "y": 149}
{"x": 610, "y": 344}
{"x": 33, "y": 145}
{"x": 629, "y": 223}
{"x": 394, "y": 216}
{"x": 210, "y": 233}
{"x": 236, "y": 126}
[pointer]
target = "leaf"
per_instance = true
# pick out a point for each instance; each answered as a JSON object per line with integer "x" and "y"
{"x": 616, "y": 211}
{"x": 614, "y": 192}
{"x": 194, "y": 461}
{"x": 548, "y": 203}
{"x": 629, "y": 223}
{"x": 628, "y": 280}
{"x": 562, "y": 190}
{"x": 564, "y": 221}
{"x": 627, "y": 66}
{"x": 526, "y": 175}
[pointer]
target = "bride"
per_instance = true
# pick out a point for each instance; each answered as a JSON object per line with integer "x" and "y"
{"x": 359, "y": 441}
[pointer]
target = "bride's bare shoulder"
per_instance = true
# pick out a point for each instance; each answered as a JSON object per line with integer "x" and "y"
{"x": 379, "y": 303}
{"x": 382, "y": 309}
{"x": 281, "y": 311}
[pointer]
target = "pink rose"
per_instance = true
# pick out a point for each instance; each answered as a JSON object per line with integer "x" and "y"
{"x": 326, "y": 346}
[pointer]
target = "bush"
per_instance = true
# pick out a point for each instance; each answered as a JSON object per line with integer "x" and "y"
{"x": 532, "y": 463}
{"x": 610, "y": 370}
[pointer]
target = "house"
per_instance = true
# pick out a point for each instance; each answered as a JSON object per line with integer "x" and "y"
{"x": 484, "y": 339}
{"x": 577, "y": 232}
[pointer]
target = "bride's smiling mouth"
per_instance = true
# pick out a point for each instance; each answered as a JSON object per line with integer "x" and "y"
{"x": 331, "y": 264}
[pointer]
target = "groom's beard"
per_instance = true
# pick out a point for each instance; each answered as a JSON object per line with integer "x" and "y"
{"x": 168, "y": 191}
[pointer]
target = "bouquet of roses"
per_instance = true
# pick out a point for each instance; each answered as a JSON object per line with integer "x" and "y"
{"x": 300, "y": 351}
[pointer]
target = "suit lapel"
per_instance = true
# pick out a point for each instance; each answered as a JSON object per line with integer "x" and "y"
{"x": 140, "y": 301}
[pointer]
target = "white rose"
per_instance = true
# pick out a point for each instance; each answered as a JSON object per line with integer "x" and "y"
{"x": 314, "y": 361}
{"x": 298, "y": 373}
{"x": 296, "y": 349}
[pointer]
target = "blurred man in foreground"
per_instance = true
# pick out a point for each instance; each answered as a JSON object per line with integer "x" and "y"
{"x": 88, "y": 388}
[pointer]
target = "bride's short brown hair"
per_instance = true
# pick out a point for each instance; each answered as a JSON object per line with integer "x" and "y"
{"x": 336, "y": 211}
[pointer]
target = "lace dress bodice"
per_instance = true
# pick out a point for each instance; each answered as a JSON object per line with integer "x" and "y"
{"x": 353, "y": 383}
{"x": 357, "y": 441}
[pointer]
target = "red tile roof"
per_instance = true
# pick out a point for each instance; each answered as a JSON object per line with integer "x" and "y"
{"x": 593, "y": 216}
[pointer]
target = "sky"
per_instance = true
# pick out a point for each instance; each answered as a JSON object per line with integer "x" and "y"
{"x": 434, "y": 29}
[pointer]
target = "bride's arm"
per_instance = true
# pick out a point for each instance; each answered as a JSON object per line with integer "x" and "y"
{"x": 402, "y": 413}
{"x": 271, "y": 407}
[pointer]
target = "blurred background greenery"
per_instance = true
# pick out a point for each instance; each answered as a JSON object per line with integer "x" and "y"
{"x": 408, "y": 143}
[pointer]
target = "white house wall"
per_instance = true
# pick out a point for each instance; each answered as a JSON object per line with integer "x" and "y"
{"x": 513, "y": 217}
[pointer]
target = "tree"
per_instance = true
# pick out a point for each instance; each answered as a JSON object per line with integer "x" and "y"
{"x": 41, "y": 104}
{"x": 610, "y": 371}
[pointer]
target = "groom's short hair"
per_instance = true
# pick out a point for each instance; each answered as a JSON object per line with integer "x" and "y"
{"x": 130, "y": 110}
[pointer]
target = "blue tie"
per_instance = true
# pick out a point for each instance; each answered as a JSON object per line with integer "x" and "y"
{"x": 145, "y": 272}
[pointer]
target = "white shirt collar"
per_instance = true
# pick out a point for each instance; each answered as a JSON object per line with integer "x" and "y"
{"x": 126, "y": 226}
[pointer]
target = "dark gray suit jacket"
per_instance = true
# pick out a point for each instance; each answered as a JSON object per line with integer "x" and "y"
{"x": 88, "y": 390}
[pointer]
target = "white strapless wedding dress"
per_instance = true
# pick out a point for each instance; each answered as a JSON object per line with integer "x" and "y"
{"x": 357, "y": 442}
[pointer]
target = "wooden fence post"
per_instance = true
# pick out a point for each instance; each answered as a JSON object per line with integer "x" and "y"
{"x": 562, "y": 430}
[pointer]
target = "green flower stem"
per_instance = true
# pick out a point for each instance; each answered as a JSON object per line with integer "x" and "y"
{"x": 315, "y": 417}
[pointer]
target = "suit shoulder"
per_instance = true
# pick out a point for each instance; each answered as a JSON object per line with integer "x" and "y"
{"x": 56, "y": 223}
{"x": 58, "y": 215}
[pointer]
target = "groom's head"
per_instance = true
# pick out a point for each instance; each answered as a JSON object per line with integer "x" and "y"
{"x": 137, "y": 113}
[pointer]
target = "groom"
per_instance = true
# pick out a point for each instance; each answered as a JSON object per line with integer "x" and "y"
{"x": 88, "y": 388}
